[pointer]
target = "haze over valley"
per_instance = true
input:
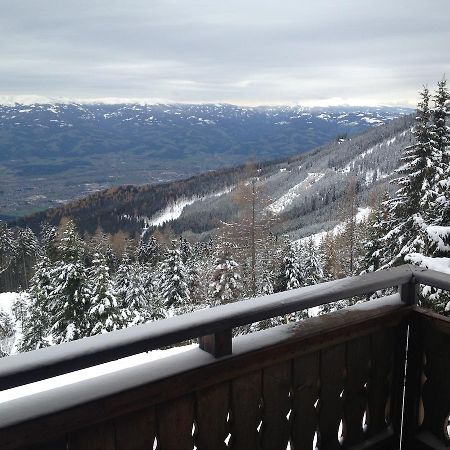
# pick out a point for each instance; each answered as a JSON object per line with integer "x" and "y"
{"x": 53, "y": 153}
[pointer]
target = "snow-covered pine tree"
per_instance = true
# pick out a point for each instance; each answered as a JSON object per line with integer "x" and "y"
{"x": 174, "y": 282}
{"x": 418, "y": 233}
{"x": 36, "y": 326}
{"x": 440, "y": 211}
{"x": 379, "y": 219}
{"x": 148, "y": 251}
{"x": 69, "y": 301}
{"x": 225, "y": 285}
{"x": 7, "y": 334}
{"x": 312, "y": 264}
{"x": 104, "y": 312}
{"x": 202, "y": 269}
{"x": 27, "y": 249}
{"x": 123, "y": 281}
{"x": 291, "y": 275}
{"x": 141, "y": 296}
{"x": 47, "y": 238}
{"x": 7, "y": 247}
{"x": 405, "y": 232}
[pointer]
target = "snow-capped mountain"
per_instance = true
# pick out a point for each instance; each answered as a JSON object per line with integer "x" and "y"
{"x": 304, "y": 190}
{"x": 51, "y": 153}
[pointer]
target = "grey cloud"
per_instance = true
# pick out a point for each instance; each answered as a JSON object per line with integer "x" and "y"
{"x": 246, "y": 51}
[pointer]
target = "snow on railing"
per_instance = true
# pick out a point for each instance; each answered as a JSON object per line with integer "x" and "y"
{"x": 213, "y": 326}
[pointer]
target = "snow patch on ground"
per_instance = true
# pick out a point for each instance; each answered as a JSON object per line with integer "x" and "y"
{"x": 286, "y": 199}
{"x": 317, "y": 238}
{"x": 174, "y": 209}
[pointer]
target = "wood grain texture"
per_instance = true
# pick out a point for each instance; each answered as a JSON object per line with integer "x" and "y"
{"x": 98, "y": 437}
{"x": 332, "y": 373}
{"x": 175, "y": 420}
{"x": 305, "y": 393}
{"x": 136, "y": 431}
{"x": 436, "y": 389}
{"x": 213, "y": 405}
{"x": 246, "y": 402}
{"x": 277, "y": 404}
{"x": 379, "y": 385}
{"x": 358, "y": 358}
{"x": 60, "y": 444}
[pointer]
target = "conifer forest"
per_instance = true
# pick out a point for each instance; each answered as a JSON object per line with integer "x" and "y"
{"x": 71, "y": 284}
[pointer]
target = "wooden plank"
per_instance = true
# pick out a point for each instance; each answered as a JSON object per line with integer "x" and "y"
{"x": 98, "y": 437}
{"x": 305, "y": 394}
{"x": 213, "y": 416}
{"x": 59, "y": 444}
{"x": 332, "y": 373}
{"x": 252, "y": 352}
{"x": 175, "y": 424}
{"x": 136, "y": 431}
{"x": 379, "y": 386}
{"x": 246, "y": 411}
{"x": 409, "y": 292}
{"x": 397, "y": 379}
{"x": 357, "y": 364}
{"x": 432, "y": 278}
{"x": 70, "y": 356}
{"x": 218, "y": 344}
{"x": 277, "y": 406}
{"x": 436, "y": 389}
{"x": 413, "y": 382}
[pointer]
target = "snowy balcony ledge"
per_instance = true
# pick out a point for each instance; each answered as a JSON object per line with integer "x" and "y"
{"x": 333, "y": 381}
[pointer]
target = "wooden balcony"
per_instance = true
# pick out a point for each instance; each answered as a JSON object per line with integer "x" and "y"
{"x": 335, "y": 381}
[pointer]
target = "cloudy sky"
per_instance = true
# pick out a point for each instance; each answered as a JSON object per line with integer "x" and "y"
{"x": 240, "y": 51}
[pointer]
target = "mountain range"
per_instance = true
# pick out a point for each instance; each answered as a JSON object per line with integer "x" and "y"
{"x": 305, "y": 190}
{"x": 56, "y": 152}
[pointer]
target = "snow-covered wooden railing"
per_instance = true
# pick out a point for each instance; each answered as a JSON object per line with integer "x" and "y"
{"x": 333, "y": 381}
{"x": 213, "y": 326}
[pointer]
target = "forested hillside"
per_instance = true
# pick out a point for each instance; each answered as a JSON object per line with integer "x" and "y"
{"x": 358, "y": 205}
{"x": 53, "y": 153}
{"x": 371, "y": 157}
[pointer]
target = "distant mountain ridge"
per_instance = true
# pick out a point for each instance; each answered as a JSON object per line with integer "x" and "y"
{"x": 52, "y": 153}
{"x": 305, "y": 189}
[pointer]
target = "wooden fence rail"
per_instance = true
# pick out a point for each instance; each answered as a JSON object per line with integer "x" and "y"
{"x": 332, "y": 382}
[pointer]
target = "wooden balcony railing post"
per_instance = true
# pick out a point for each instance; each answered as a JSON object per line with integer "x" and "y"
{"x": 409, "y": 292}
{"x": 218, "y": 344}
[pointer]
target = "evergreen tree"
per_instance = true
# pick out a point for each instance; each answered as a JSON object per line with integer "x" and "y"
{"x": 149, "y": 251}
{"x": 291, "y": 275}
{"x": 174, "y": 281}
{"x": 312, "y": 264}
{"x": 418, "y": 229}
{"x": 405, "y": 232}
{"x": 36, "y": 326}
{"x": 7, "y": 247}
{"x": 104, "y": 312}
{"x": 27, "y": 248}
{"x": 225, "y": 285}
{"x": 48, "y": 241}
{"x": 379, "y": 219}
{"x": 68, "y": 303}
{"x": 7, "y": 334}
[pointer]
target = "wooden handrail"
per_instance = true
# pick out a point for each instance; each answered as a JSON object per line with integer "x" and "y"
{"x": 45, "y": 363}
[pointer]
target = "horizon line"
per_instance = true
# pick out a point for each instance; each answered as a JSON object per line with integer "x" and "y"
{"x": 11, "y": 100}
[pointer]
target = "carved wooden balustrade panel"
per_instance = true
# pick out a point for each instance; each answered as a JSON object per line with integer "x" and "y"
{"x": 328, "y": 384}
{"x": 428, "y": 394}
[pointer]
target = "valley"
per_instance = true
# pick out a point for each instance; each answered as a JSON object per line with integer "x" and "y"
{"x": 53, "y": 153}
